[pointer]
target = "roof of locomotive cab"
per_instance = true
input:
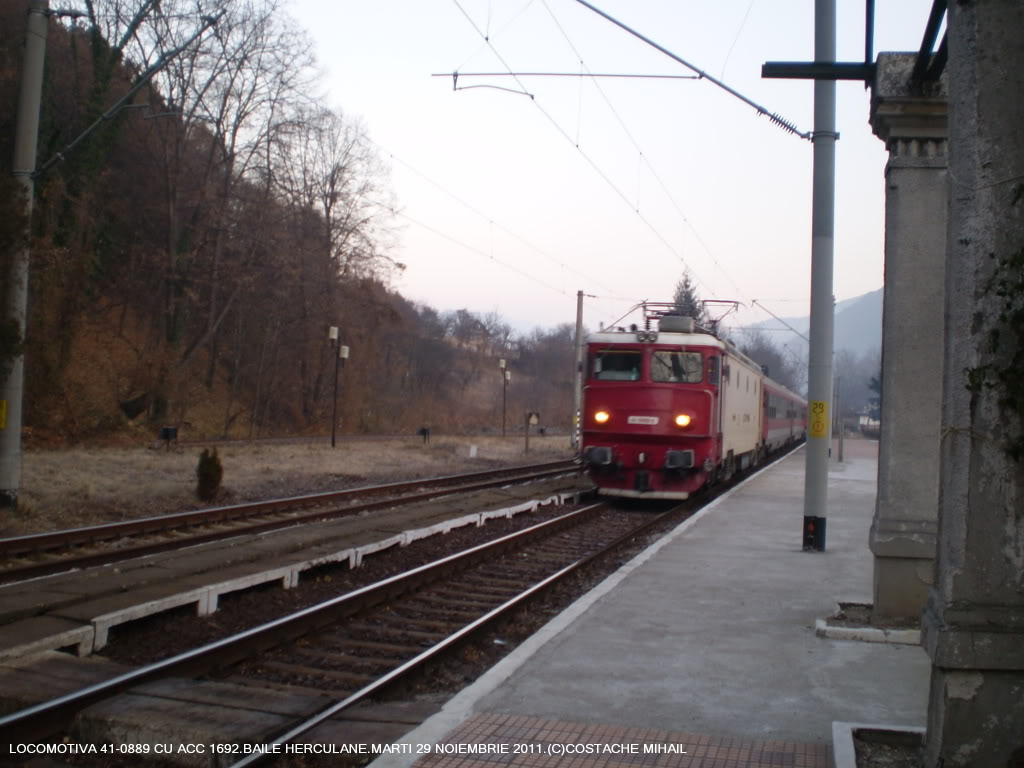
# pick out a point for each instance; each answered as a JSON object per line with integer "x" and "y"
{"x": 664, "y": 337}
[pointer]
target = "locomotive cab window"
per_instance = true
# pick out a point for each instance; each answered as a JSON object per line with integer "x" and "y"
{"x": 616, "y": 365}
{"x": 677, "y": 367}
{"x": 713, "y": 369}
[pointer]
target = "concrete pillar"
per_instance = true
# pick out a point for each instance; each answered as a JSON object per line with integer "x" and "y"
{"x": 974, "y": 622}
{"x": 912, "y": 123}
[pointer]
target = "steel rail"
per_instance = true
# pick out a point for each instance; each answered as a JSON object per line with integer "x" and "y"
{"x": 38, "y": 544}
{"x": 43, "y": 720}
{"x": 415, "y": 664}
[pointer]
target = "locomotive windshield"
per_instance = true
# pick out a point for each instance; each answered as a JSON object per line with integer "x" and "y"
{"x": 616, "y": 365}
{"x": 677, "y": 367}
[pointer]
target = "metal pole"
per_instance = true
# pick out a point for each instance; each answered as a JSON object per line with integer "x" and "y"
{"x": 504, "y": 395}
{"x": 577, "y": 392}
{"x": 334, "y": 410}
{"x": 26, "y": 135}
{"x": 869, "y": 33}
{"x": 819, "y": 385}
{"x": 839, "y": 414}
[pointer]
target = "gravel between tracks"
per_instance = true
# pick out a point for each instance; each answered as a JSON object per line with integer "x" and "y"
{"x": 158, "y": 637}
{"x": 166, "y": 634}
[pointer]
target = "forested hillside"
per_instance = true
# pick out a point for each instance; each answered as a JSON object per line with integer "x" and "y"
{"x": 190, "y": 254}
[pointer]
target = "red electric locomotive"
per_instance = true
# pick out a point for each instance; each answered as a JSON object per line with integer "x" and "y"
{"x": 668, "y": 411}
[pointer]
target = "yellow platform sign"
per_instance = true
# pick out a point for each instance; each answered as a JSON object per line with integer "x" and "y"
{"x": 819, "y": 419}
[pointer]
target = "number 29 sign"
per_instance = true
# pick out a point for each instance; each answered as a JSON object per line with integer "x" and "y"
{"x": 819, "y": 418}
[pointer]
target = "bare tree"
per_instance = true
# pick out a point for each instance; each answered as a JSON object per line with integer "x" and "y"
{"x": 326, "y": 163}
{"x": 231, "y": 98}
{"x": 777, "y": 364}
{"x": 499, "y": 334}
{"x": 326, "y": 174}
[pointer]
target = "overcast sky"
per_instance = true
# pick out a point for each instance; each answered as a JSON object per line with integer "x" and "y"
{"x": 510, "y": 203}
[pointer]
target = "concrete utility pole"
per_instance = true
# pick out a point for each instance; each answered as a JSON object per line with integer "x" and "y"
{"x": 24, "y": 169}
{"x": 577, "y": 389}
{"x": 16, "y": 306}
{"x": 819, "y": 384}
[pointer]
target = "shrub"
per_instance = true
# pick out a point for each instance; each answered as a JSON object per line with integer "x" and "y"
{"x": 208, "y": 475}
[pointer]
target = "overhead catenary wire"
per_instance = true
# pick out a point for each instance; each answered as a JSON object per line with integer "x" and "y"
{"x": 643, "y": 156}
{"x": 643, "y": 159}
{"x": 604, "y": 296}
{"x": 604, "y": 75}
{"x": 476, "y": 250}
{"x": 512, "y": 267}
{"x": 775, "y": 118}
{"x": 141, "y": 80}
{"x": 470, "y": 207}
{"x": 490, "y": 37}
{"x": 755, "y": 303}
{"x": 597, "y": 169}
{"x": 735, "y": 40}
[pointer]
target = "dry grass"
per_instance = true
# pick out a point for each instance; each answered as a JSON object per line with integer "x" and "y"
{"x": 87, "y": 486}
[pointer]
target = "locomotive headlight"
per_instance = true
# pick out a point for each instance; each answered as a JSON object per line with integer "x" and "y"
{"x": 683, "y": 420}
{"x": 601, "y": 417}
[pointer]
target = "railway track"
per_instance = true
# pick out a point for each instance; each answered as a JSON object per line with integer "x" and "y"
{"x": 25, "y": 557}
{"x": 362, "y": 643}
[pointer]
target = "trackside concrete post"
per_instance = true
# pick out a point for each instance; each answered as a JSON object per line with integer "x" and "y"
{"x": 15, "y": 309}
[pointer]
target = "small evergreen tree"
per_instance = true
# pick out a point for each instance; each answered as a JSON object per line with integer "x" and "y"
{"x": 209, "y": 473}
{"x": 688, "y": 304}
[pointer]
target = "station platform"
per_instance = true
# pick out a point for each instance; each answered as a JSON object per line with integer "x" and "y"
{"x": 701, "y": 651}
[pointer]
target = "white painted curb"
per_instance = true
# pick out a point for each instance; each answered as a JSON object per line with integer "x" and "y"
{"x": 867, "y": 634}
{"x": 843, "y": 753}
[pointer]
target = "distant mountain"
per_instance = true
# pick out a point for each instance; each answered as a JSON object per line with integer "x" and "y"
{"x": 858, "y": 323}
{"x": 858, "y": 326}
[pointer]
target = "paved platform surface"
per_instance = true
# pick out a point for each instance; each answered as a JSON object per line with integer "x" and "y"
{"x": 706, "y": 640}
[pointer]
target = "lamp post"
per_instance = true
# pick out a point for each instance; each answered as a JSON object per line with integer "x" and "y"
{"x": 504, "y": 386}
{"x": 504, "y": 396}
{"x": 340, "y": 357}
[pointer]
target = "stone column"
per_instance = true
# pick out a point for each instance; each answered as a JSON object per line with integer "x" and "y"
{"x": 912, "y": 123}
{"x": 974, "y": 622}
